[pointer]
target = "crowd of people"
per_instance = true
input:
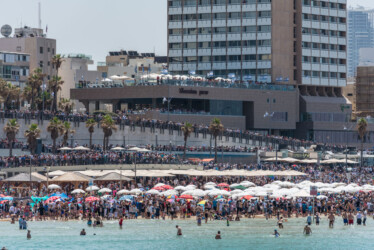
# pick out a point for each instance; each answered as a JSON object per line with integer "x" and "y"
{"x": 133, "y": 118}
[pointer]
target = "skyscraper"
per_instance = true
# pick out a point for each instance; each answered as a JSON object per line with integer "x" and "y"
{"x": 300, "y": 42}
{"x": 360, "y": 35}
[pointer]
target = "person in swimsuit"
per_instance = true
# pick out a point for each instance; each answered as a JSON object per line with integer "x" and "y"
{"x": 280, "y": 222}
{"x": 28, "y": 234}
{"x": 345, "y": 219}
{"x": 179, "y": 230}
{"x": 350, "y": 219}
{"x": 120, "y": 222}
{"x": 307, "y": 230}
{"x": 83, "y": 232}
{"x": 218, "y": 235}
{"x": 331, "y": 220}
{"x": 276, "y": 234}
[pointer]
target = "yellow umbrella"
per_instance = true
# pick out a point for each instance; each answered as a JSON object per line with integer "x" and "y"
{"x": 202, "y": 202}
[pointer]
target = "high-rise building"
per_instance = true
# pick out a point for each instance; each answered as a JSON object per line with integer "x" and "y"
{"x": 360, "y": 35}
{"x": 300, "y": 42}
{"x": 35, "y": 43}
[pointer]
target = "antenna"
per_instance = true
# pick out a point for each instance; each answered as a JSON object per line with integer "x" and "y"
{"x": 40, "y": 15}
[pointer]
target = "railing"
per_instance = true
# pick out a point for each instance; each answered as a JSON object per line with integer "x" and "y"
{"x": 191, "y": 83}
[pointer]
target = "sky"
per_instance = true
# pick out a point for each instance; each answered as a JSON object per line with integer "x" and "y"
{"x": 95, "y": 27}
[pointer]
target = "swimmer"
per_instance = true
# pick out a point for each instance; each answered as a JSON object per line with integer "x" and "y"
{"x": 218, "y": 235}
{"x": 227, "y": 222}
{"x": 179, "y": 230}
{"x": 307, "y": 230}
{"x": 28, "y": 234}
{"x": 276, "y": 234}
{"x": 4, "y": 248}
{"x": 83, "y": 232}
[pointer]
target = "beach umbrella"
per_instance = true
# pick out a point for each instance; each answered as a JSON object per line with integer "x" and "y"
{"x": 223, "y": 185}
{"x": 118, "y": 149}
{"x": 78, "y": 191}
{"x": 153, "y": 191}
{"x": 210, "y": 184}
{"x": 247, "y": 197}
{"x": 54, "y": 186}
{"x": 106, "y": 197}
{"x": 92, "y": 188}
{"x": 126, "y": 198}
{"x": 169, "y": 192}
{"x": 91, "y": 199}
{"x": 186, "y": 196}
{"x": 105, "y": 190}
{"x": 321, "y": 197}
{"x": 203, "y": 202}
{"x": 136, "y": 191}
{"x": 197, "y": 192}
{"x": 6, "y": 198}
{"x": 168, "y": 187}
{"x": 123, "y": 191}
{"x": 159, "y": 185}
{"x": 81, "y": 148}
{"x": 65, "y": 149}
{"x": 158, "y": 188}
{"x": 180, "y": 188}
{"x": 241, "y": 187}
{"x": 53, "y": 199}
{"x": 247, "y": 184}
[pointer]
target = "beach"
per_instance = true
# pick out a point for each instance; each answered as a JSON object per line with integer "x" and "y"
{"x": 159, "y": 234}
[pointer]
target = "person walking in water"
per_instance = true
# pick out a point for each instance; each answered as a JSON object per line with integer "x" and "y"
{"x": 307, "y": 230}
{"x": 331, "y": 220}
{"x": 28, "y": 234}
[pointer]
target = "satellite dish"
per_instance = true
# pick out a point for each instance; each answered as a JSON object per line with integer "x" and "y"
{"x": 6, "y": 30}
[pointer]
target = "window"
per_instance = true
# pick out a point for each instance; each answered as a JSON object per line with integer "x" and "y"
{"x": 41, "y": 50}
{"x": 41, "y": 64}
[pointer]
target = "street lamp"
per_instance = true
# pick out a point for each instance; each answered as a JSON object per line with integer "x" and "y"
{"x": 269, "y": 115}
{"x": 346, "y": 147}
{"x": 71, "y": 139}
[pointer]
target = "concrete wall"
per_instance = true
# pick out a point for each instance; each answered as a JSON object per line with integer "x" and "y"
{"x": 129, "y": 136}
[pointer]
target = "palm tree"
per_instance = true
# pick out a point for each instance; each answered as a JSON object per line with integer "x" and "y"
{"x": 187, "y": 130}
{"x": 362, "y": 130}
{"x": 11, "y": 129}
{"x": 35, "y": 81}
{"x": 108, "y": 125}
{"x": 90, "y": 124}
{"x": 65, "y": 105}
{"x": 9, "y": 94}
{"x": 55, "y": 85}
{"x": 56, "y": 128}
{"x": 66, "y": 132}
{"x": 215, "y": 129}
{"x": 32, "y": 133}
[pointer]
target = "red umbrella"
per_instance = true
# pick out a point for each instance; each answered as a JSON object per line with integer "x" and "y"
{"x": 91, "y": 199}
{"x": 167, "y": 187}
{"x": 53, "y": 199}
{"x": 160, "y": 188}
{"x": 186, "y": 196}
{"x": 223, "y": 185}
{"x": 247, "y": 197}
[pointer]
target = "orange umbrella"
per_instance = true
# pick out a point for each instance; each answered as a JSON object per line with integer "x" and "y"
{"x": 247, "y": 197}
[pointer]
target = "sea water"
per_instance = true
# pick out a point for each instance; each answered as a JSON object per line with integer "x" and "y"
{"x": 159, "y": 234}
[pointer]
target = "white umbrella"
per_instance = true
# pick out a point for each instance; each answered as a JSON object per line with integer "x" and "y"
{"x": 118, "y": 149}
{"x": 105, "y": 190}
{"x": 169, "y": 192}
{"x": 78, "y": 191}
{"x": 106, "y": 197}
{"x": 54, "y": 186}
{"x": 65, "y": 149}
{"x": 81, "y": 148}
{"x": 152, "y": 191}
{"x": 210, "y": 184}
{"x": 92, "y": 188}
{"x": 134, "y": 149}
{"x": 247, "y": 184}
{"x": 136, "y": 191}
{"x": 180, "y": 188}
{"x": 321, "y": 197}
{"x": 123, "y": 191}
